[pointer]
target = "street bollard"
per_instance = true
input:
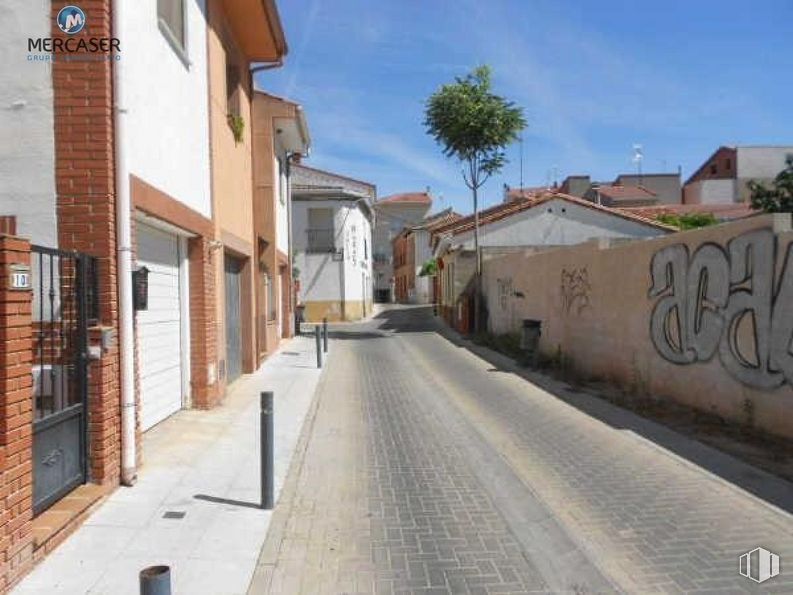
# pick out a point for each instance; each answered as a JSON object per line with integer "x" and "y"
{"x": 267, "y": 449}
{"x": 325, "y": 335}
{"x": 155, "y": 580}
{"x": 319, "y": 346}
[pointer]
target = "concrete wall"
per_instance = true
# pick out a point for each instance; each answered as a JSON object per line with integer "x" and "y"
{"x": 27, "y": 155}
{"x": 168, "y": 122}
{"x": 640, "y": 315}
{"x": 556, "y": 222}
{"x": 762, "y": 162}
{"x": 666, "y": 186}
{"x": 708, "y": 192}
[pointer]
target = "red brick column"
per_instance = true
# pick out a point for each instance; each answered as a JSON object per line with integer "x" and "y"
{"x": 83, "y": 102}
{"x": 203, "y": 324}
{"x": 16, "y": 417}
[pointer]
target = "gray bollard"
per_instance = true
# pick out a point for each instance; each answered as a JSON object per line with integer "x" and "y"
{"x": 325, "y": 335}
{"x": 319, "y": 346}
{"x": 155, "y": 580}
{"x": 267, "y": 449}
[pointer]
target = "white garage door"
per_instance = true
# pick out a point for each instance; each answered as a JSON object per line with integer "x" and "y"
{"x": 159, "y": 327}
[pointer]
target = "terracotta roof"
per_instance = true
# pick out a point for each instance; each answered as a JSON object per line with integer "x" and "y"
{"x": 505, "y": 210}
{"x": 525, "y": 192}
{"x": 724, "y": 212}
{"x": 412, "y": 197}
{"x": 620, "y": 192}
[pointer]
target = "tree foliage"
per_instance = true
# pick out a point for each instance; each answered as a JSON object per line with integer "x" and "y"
{"x": 686, "y": 221}
{"x": 473, "y": 125}
{"x": 778, "y": 199}
{"x": 429, "y": 268}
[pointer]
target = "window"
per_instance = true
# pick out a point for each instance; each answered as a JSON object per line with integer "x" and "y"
{"x": 171, "y": 16}
{"x": 320, "y": 230}
{"x": 713, "y": 169}
{"x": 728, "y": 164}
{"x": 365, "y": 249}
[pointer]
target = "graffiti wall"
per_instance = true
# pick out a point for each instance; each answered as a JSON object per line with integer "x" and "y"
{"x": 703, "y": 317}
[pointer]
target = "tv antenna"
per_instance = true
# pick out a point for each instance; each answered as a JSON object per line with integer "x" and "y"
{"x": 638, "y": 156}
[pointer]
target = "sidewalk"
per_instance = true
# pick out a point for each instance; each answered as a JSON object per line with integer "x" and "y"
{"x": 202, "y": 466}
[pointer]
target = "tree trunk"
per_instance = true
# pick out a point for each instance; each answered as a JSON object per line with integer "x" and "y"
{"x": 478, "y": 273}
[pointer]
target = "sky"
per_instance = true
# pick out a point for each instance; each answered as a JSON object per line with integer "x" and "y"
{"x": 594, "y": 78}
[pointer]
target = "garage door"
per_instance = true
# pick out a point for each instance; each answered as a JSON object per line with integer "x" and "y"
{"x": 159, "y": 327}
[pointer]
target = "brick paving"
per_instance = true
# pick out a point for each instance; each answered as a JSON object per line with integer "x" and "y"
{"x": 392, "y": 495}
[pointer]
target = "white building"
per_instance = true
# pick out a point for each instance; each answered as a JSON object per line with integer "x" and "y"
{"x": 725, "y": 175}
{"x": 332, "y": 221}
{"x": 27, "y": 155}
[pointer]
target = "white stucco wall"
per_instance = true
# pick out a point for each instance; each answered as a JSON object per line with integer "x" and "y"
{"x": 762, "y": 162}
{"x": 321, "y": 277}
{"x": 709, "y": 192}
{"x": 554, "y": 223}
{"x": 281, "y": 201}
{"x": 167, "y": 102}
{"x": 358, "y": 269}
{"x": 27, "y": 153}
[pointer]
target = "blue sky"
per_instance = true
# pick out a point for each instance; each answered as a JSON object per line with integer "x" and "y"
{"x": 678, "y": 77}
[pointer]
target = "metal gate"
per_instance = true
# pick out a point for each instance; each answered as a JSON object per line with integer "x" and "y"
{"x": 233, "y": 267}
{"x": 63, "y": 300}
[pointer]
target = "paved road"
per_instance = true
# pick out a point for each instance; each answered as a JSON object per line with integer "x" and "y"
{"x": 427, "y": 470}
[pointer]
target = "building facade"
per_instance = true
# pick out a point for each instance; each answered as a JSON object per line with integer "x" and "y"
{"x": 280, "y": 133}
{"x": 554, "y": 220}
{"x": 332, "y": 221}
{"x": 141, "y": 183}
{"x": 725, "y": 175}
{"x": 394, "y": 212}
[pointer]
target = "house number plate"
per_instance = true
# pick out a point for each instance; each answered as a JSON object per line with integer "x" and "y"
{"x": 20, "y": 276}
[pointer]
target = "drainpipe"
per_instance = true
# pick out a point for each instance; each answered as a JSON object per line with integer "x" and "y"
{"x": 124, "y": 267}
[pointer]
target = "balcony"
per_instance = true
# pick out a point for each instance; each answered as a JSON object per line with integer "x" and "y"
{"x": 320, "y": 241}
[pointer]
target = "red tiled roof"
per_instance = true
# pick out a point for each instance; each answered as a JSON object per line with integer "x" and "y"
{"x": 620, "y": 192}
{"x": 720, "y": 211}
{"x": 417, "y": 197}
{"x": 526, "y": 192}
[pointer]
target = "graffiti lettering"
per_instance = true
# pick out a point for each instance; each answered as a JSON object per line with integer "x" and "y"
{"x": 723, "y": 301}
{"x": 575, "y": 290}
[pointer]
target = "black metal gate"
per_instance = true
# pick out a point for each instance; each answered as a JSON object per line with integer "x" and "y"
{"x": 63, "y": 300}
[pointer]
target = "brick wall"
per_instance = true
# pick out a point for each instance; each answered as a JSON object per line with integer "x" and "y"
{"x": 203, "y": 324}
{"x": 16, "y": 418}
{"x": 83, "y": 103}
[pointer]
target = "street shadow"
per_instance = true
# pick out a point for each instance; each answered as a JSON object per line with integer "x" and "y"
{"x": 407, "y": 319}
{"x": 770, "y": 488}
{"x": 218, "y": 500}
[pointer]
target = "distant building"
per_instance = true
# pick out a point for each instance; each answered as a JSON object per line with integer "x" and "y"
{"x": 626, "y": 189}
{"x": 554, "y": 220}
{"x": 393, "y": 213}
{"x": 725, "y": 176}
{"x": 332, "y": 220}
{"x": 411, "y": 250}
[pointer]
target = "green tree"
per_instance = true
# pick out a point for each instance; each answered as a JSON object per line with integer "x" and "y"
{"x": 778, "y": 199}
{"x": 474, "y": 126}
{"x": 688, "y": 220}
